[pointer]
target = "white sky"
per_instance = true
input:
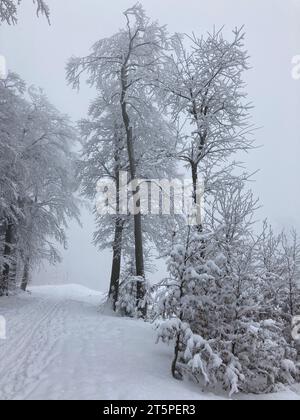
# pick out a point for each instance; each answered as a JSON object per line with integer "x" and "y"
{"x": 39, "y": 53}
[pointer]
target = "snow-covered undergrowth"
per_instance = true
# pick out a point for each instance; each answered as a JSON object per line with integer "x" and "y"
{"x": 61, "y": 346}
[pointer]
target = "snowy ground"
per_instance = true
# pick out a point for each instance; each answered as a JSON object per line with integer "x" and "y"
{"x": 60, "y": 346}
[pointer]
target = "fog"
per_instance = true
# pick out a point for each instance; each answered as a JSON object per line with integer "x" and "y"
{"x": 38, "y": 52}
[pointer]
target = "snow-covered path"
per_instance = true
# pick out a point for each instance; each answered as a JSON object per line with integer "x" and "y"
{"x": 59, "y": 346}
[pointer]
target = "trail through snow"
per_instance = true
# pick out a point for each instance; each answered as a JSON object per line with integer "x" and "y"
{"x": 60, "y": 346}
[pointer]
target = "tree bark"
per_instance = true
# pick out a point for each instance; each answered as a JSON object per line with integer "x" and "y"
{"x": 119, "y": 227}
{"x": 4, "y": 281}
{"x": 174, "y": 369}
{"x": 196, "y": 198}
{"x": 25, "y": 278}
{"x": 116, "y": 264}
{"x": 138, "y": 236}
{"x": 13, "y": 271}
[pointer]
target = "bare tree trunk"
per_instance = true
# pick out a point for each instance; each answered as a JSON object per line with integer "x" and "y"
{"x": 196, "y": 197}
{"x": 4, "y": 280}
{"x": 25, "y": 278}
{"x": 116, "y": 264}
{"x": 138, "y": 236}
{"x": 291, "y": 300}
{"x": 13, "y": 272}
{"x": 2, "y": 229}
{"x": 174, "y": 369}
{"x": 119, "y": 227}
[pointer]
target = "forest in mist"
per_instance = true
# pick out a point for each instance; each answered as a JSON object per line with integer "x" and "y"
{"x": 189, "y": 246}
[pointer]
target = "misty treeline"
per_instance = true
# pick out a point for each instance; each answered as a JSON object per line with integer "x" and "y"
{"x": 162, "y": 102}
{"x": 37, "y": 181}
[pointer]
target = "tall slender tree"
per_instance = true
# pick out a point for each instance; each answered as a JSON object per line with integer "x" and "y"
{"x": 203, "y": 89}
{"x": 130, "y": 58}
{"x": 105, "y": 156}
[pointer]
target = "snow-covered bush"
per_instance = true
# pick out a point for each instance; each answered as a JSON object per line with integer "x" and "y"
{"x": 180, "y": 300}
{"x": 127, "y": 304}
{"x": 215, "y": 304}
{"x": 192, "y": 352}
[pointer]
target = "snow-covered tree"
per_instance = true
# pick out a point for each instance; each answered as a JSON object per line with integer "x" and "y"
{"x": 180, "y": 299}
{"x": 202, "y": 81}
{"x": 9, "y": 10}
{"x": 50, "y": 198}
{"x": 11, "y": 179}
{"x": 278, "y": 259}
{"x": 291, "y": 276}
{"x": 215, "y": 293}
{"x": 252, "y": 346}
{"x": 37, "y": 182}
{"x": 105, "y": 156}
{"x": 130, "y": 60}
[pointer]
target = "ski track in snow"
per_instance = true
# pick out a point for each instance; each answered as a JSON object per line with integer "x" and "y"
{"x": 30, "y": 347}
{"x": 59, "y": 346}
